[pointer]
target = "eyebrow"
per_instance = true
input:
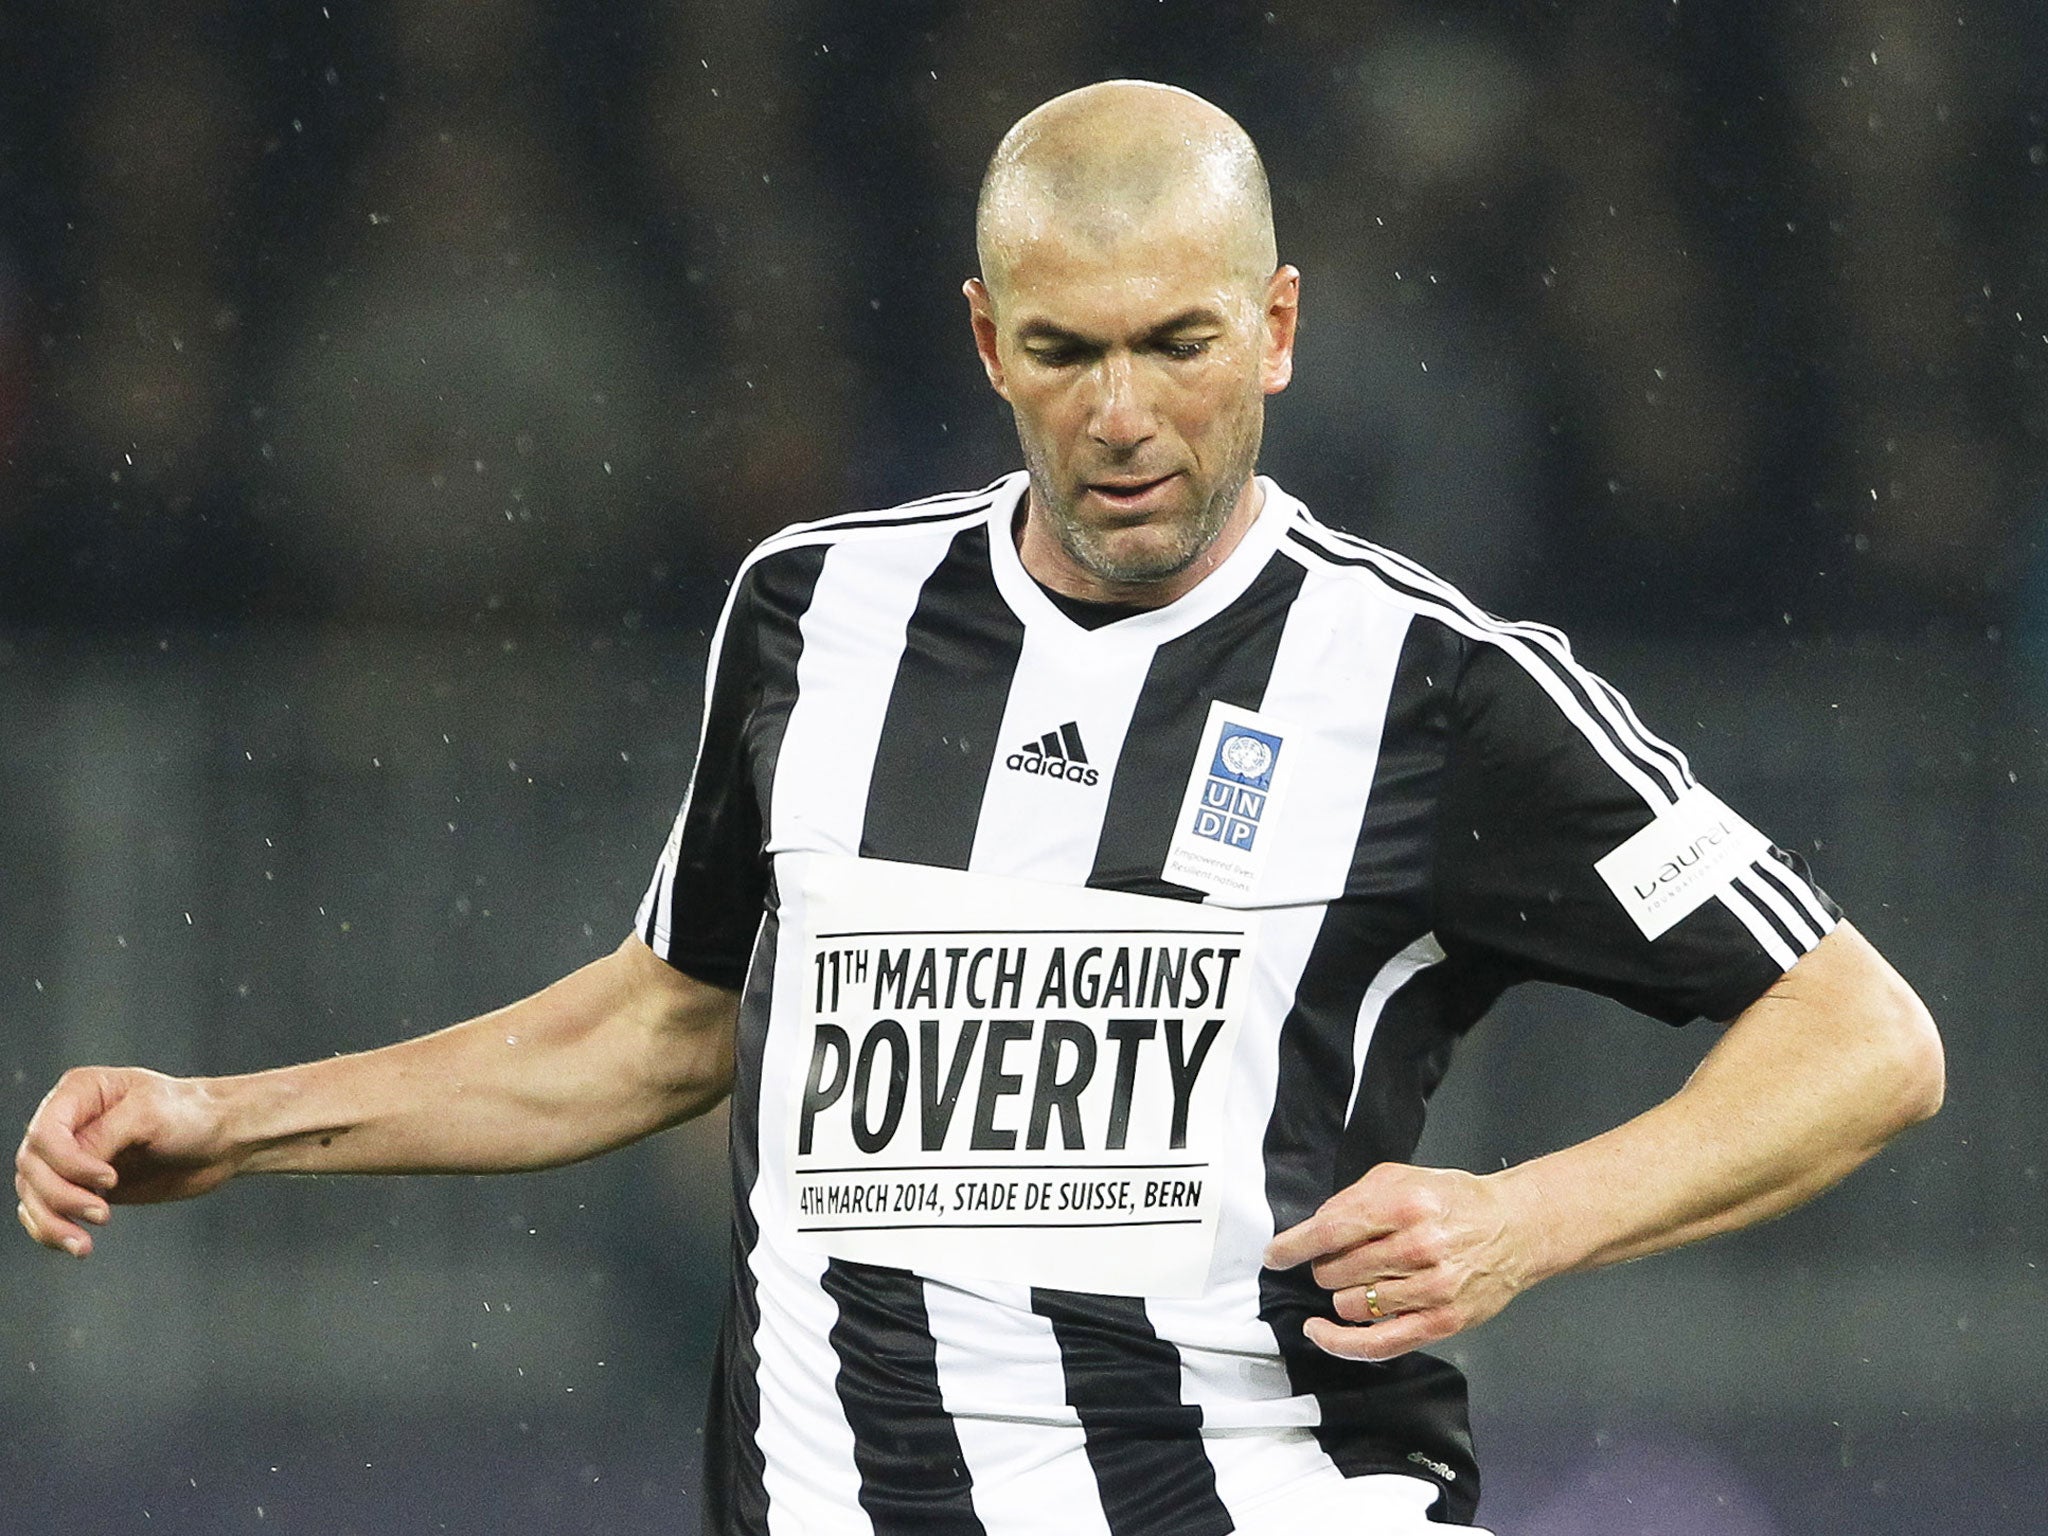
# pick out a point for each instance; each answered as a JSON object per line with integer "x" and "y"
{"x": 1193, "y": 316}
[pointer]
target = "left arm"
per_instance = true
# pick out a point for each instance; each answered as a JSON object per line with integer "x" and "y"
{"x": 1839, "y": 1056}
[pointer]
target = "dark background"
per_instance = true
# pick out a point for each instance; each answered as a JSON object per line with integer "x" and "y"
{"x": 387, "y": 391}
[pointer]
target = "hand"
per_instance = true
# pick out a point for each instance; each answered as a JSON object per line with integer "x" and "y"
{"x": 115, "y": 1136}
{"x": 1434, "y": 1246}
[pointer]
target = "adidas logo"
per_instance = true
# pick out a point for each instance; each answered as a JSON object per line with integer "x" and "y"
{"x": 1056, "y": 755}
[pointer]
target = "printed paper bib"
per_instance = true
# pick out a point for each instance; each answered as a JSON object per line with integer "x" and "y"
{"x": 1005, "y": 1079}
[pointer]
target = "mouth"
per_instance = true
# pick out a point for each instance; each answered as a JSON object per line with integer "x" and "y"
{"x": 1132, "y": 495}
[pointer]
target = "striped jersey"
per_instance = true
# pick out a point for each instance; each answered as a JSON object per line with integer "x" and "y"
{"x": 1078, "y": 961}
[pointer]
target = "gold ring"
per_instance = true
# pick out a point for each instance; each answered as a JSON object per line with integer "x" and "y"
{"x": 1372, "y": 1301}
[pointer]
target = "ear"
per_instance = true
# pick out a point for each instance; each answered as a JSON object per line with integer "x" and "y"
{"x": 981, "y": 315}
{"x": 1283, "y": 310}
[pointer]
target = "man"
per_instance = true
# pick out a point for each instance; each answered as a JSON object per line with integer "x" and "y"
{"x": 1082, "y": 884}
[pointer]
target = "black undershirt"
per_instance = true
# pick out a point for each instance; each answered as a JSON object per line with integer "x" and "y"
{"x": 1089, "y": 613}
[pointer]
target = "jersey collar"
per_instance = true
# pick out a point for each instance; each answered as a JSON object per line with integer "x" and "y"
{"x": 1209, "y": 597}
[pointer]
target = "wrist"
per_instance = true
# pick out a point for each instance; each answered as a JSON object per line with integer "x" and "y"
{"x": 261, "y": 1121}
{"x": 1539, "y": 1231}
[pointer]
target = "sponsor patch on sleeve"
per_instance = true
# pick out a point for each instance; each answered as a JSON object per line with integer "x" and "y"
{"x": 1680, "y": 861}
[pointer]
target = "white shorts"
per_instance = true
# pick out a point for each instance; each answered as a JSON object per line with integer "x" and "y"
{"x": 1384, "y": 1504}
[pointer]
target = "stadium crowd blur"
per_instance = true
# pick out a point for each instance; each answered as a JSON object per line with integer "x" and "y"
{"x": 389, "y": 387}
{"x": 510, "y": 312}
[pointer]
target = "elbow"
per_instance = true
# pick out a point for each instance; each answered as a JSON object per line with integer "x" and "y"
{"x": 1929, "y": 1073}
{"x": 1895, "y": 1047}
{"x": 1917, "y": 1072}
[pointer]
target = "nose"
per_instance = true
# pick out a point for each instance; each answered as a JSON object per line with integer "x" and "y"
{"x": 1121, "y": 419}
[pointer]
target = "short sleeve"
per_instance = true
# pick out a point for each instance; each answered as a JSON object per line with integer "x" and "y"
{"x": 1574, "y": 846}
{"x": 703, "y": 907}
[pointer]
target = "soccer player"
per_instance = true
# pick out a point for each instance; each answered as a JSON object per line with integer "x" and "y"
{"x": 1082, "y": 884}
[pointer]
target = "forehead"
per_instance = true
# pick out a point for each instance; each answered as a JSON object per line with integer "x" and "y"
{"x": 1115, "y": 276}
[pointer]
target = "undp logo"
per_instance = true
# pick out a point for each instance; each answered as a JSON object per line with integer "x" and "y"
{"x": 1247, "y": 758}
{"x": 1239, "y": 780}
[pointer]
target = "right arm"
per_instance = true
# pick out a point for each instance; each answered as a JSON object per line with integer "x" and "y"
{"x": 626, "y": 1046}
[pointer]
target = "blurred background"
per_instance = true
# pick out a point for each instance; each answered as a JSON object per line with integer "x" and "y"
{"x": 388, "y": 389}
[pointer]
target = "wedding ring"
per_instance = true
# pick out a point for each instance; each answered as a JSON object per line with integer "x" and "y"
{"x": 1372, "y": 1301}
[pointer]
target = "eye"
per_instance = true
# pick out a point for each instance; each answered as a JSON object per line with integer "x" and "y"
{"x": 1184, "y": 351}
{"x": 1055, "y": 357}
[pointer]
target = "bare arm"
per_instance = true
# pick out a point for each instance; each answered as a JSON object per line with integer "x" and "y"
{"x": 622, "y": 1047}
{"x": 1810, "y": 1081}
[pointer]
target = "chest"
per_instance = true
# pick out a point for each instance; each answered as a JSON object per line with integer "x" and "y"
{"x": 1273, "y": 757}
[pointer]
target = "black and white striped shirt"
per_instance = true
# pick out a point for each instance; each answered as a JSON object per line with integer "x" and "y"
{"x": 984, "y": 873}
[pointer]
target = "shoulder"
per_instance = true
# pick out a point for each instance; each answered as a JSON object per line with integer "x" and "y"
{"x": 1490, "y": 647}
{"x": 1388, "y": 576}
{"x": 930, "y": 516}
{"x": 1519, "y": 684}
{"x": 779, "y": 574}
{"x": 1373, "y": 576}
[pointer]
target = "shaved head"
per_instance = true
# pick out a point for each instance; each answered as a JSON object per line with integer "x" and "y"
{"x": 1107, "y": 161}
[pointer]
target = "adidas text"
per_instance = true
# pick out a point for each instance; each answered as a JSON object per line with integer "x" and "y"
{"x": 1053, "y": 768}
{"x": 1056, "y": 755}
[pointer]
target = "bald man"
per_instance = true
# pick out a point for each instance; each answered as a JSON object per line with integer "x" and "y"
{"x": 1082, "y": 884}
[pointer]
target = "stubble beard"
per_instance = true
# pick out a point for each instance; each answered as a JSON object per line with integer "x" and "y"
{"x": 1092, "y": 548}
